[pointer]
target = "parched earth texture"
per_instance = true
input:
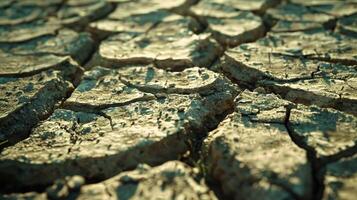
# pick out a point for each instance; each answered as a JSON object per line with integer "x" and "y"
{"x": 181, "y": 99}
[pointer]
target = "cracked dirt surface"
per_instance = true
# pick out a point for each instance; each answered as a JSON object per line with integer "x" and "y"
{"x": 184, "y": 99}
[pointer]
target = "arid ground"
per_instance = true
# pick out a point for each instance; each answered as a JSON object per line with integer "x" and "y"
{"x": 178, "y": 99}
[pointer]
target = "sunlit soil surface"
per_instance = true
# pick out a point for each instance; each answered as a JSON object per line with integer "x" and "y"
{"x": 184, "y": 99}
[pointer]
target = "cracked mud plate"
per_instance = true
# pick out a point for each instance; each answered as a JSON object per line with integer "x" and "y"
{"x": 252, "y": 155}
{"x": 29, "y": 99}
{"x": 229, "y": 26}
{"x": 170, "y": 45}
{"x": 307, "y": 78}
{"x": 170, "y": 180}
{"x": 151, "y": 121}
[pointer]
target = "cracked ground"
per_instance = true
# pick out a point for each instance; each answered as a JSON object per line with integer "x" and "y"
{"x": 182, "y": 99}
